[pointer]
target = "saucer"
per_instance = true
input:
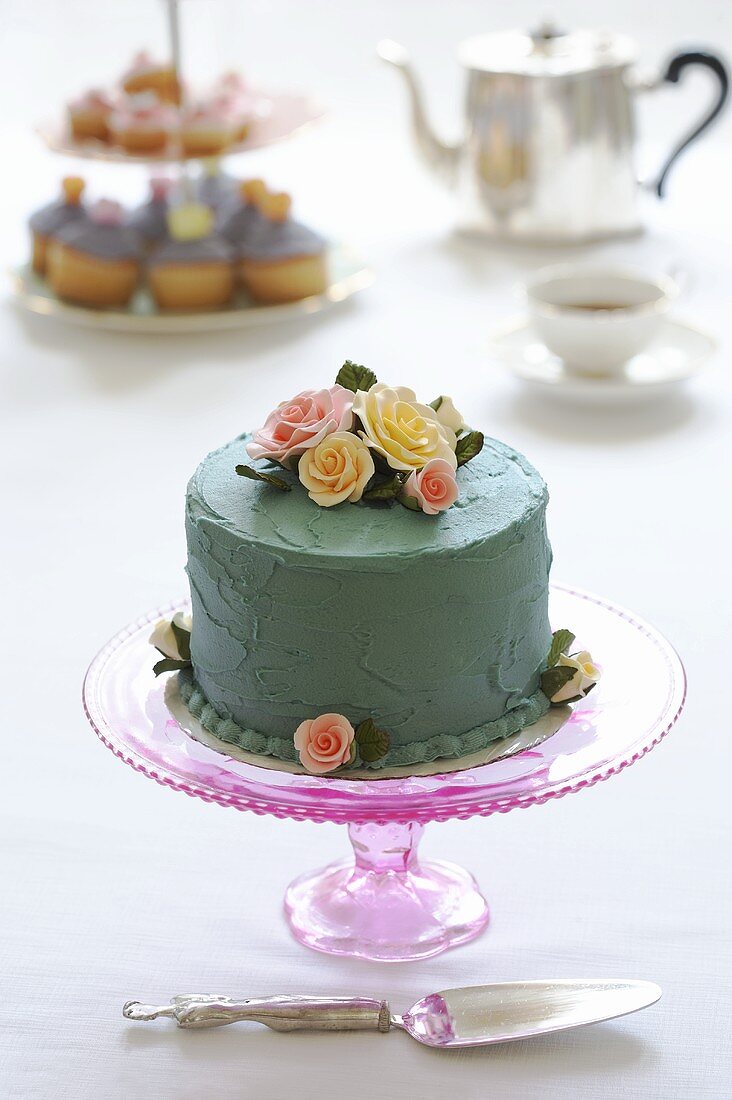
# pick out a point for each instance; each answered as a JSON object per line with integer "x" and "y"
{"x": 677, "y": 353}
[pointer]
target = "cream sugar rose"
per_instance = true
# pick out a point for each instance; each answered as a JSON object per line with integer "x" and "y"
{"x": 372, "y": 591}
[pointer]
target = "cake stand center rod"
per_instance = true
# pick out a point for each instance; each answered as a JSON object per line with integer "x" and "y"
{"x": 381, "y": 848}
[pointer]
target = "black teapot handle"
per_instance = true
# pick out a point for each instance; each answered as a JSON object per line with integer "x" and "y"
{"x": 674, "y": 69}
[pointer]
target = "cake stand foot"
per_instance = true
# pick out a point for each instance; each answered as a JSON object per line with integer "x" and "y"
{"x": 385, "y": 904}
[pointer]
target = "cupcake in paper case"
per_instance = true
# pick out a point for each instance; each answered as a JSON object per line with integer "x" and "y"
{"x": 96, "y": 262}
{"x": 232, "y": 94}
{"x": 217, "y": 189}
{"x": 244, "y": 216}
{"x": 145, "y": 74}
{"x": 150, "y": 219}
{"x": 50, "y": 219}
{"x": 206, "y": 129}
{"x": 194, "y": 269}
{"x": 141, "y": 123}
{"x": 281, "y": 260}
{"x": 89, "y": 116}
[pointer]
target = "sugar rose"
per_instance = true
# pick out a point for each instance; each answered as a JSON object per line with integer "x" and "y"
{"x": 434, "y": 487}
{"x": 448, "y": 415}
{"x": 324, "y": 743}
{"x": 406, "y": 433}
{"x": 586, "y": 674}
{"x": 302, "y": 422}
{"x": 338, "y": 469}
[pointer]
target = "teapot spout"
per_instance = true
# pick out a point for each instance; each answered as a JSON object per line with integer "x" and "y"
{"x": 441, "y": 158}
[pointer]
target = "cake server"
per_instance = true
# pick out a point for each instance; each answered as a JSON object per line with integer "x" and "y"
{"x": 474, "y": 1016}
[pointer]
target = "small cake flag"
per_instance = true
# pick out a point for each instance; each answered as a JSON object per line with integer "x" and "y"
{"x": 190, "y": 221}
{"x": 275, "y": 206}
{"x": 252, "y": 190}
{"x": 73, "y": 187}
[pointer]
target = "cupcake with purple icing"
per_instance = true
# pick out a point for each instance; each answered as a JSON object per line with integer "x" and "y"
{"x": 150, "y": 219}
{"x": 193, "y": 270}
{"x": 97, "y": 261}
{"x": 243, "y": 216}
{"x": 281, "y": 260}
{"x": 50, "y": 219}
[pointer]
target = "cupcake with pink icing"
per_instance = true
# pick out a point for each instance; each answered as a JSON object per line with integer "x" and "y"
{"x": 145, "y": 74}
{"x": 206, "y": 129}
{"x": 232, "y": 94}
{"x": 89, "y": 116}
{"x": 193, "y": 270}
{"x": 96, "y": 262}
{"x": 150, "y": 219}
{"x": 47, "y": 222}
{"x": 142, "y": 123}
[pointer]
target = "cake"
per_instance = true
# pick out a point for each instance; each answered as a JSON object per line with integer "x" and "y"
{"x": 239, "y": 220}
{"x": 96, "y": 262}
{"x": 206, "y": 130}
{"x": 372, "y": 590}
{"x": 50, "y": 219}
{"x": 194, "y": 269}
{"x": 281, "y": 260}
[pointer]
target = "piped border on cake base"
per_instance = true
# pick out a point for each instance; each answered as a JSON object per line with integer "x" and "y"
{"x": 199, "y": 720}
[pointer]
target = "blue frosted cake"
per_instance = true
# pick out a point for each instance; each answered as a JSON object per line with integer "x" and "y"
{"x": 371, "y": 590}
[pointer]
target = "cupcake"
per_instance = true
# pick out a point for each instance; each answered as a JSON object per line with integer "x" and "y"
{"x": 97, "y": 261}
{"x": 47, "y": 221}
{"x": 281, "y": 260}
{"x": 142, "y": 124}
{"x": 150, "y": 219}
{"x": 194, "y": 269}
{"x": 147, "y": 75}
{"x": 205, "y": 130}
{"x": 89, "y": 116}
{"x": 217, "y": 189}
{"x": 237, "y": 225}
{"x": 232, "y": 95}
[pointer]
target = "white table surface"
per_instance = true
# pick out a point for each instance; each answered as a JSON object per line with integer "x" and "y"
{"x": 114, "y": 888}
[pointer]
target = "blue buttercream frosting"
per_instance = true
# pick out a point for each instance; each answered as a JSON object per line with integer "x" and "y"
{"x": 435, "y": 627}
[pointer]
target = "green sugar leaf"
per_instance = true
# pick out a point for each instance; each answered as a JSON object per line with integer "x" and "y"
{"x": 409, "y": 502}
{"x": 372, "y": 743}
{"x": 260, "y": 475}
{"x": 555, "y": 678}
{"x": 436, "y": 403}
{"x": 384, "y": 490}
{"x": 468, "y": 446}
{"x": 352, "y": 376}
{"x": 561, "y": 641}
{"x": 182, "y": 640}
{"x": 170, "y": 665}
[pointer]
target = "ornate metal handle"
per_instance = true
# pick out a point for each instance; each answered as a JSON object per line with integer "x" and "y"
{"x": 673, "y": 71}
{"x": 192, "y": 1010}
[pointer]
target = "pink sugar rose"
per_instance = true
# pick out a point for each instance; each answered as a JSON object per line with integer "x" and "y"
{"x": 301, "y": 423}
{"x": 324, "y": 743}
{"x": 434, "y": 486}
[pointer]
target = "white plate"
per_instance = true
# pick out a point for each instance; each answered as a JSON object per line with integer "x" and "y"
{"x": 348, "y": 275}
{"x": 285, "y": 116}
{"x": 676, "y": 354}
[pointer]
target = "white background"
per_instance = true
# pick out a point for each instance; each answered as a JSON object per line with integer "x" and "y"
{"x": 114, "y": 888}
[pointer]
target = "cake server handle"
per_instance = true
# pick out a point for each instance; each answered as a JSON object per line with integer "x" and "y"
{"x": 192, "y": 1010}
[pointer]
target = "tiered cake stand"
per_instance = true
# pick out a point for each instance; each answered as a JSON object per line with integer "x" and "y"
{"x": 386, "y": 903}
{"x": 287, "y": 114}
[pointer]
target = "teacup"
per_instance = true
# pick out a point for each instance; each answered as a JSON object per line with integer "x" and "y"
{"x": 597, "y": 318}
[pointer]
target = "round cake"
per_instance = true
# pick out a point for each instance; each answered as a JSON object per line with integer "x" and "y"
{"x": 435, "y": 628}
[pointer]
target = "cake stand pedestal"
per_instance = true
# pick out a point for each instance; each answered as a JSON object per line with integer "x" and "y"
{"x": 386, "y": 904}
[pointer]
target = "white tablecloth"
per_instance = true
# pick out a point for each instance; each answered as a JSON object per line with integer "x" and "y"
{"x": 115, "y": 888}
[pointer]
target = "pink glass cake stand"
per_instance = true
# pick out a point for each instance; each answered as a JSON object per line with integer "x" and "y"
{"x": 386, "y": 903}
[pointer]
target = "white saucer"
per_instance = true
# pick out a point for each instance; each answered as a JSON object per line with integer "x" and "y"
{"x": 677, "y": 353}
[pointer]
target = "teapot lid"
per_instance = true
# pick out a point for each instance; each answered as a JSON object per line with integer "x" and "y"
{"x": 547, "y": 51}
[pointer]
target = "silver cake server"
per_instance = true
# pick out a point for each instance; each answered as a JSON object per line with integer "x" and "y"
{"x": 475, "y": 1016}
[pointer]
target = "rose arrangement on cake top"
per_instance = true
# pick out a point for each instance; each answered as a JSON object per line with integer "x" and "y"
{"x": 363, "y": 440}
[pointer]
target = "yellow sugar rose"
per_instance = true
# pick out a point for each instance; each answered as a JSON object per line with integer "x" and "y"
{"x": 337, "y": 469}
{"x": 407, "y": 433}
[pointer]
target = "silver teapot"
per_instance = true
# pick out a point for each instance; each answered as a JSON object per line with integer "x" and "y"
{"x": 548, "y": 153}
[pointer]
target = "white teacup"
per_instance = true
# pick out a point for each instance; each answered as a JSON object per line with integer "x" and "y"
{"x": 597, "y": 318}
